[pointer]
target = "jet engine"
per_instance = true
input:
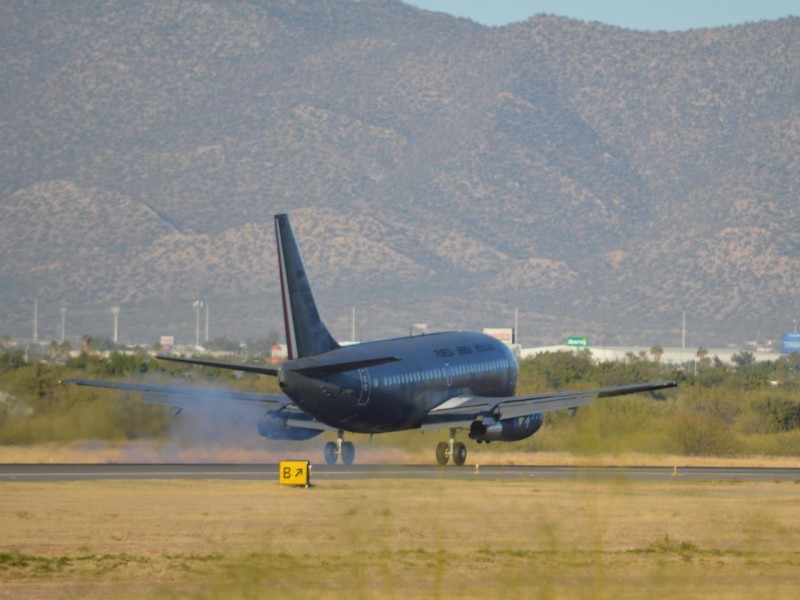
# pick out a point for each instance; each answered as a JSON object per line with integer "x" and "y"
{"x": 505, "y": 430}
{"x": 273, "y": 427}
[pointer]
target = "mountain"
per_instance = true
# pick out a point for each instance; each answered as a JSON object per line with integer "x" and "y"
{"x": 601, "y": 180}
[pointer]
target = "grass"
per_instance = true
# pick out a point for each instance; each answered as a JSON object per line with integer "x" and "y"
{"x": 399, "y": 538}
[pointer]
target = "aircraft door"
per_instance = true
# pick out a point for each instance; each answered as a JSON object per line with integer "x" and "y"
{"x": 366, "y": 387}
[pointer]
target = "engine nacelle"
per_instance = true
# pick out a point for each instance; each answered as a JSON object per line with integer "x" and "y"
{"x": 506, "y": 430}
{"x": 275, "y": 428}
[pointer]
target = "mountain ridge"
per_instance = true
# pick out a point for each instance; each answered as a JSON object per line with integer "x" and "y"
{"x": 600, "y": 180}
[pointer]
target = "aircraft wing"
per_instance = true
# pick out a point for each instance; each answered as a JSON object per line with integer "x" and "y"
{"x": 461, "y": 411}
{"x": 249, "y": 405}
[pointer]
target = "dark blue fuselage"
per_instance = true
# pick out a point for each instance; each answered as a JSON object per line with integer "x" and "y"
{"x": 395, "y": 396}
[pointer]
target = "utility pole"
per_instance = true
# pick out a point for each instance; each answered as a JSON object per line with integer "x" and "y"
{"x": 35, "y": 320}
{"x": 353, "y": 326}
{"x": 516, "y": 327}
{"x": 115, "y": 313}
{"x": 208, "y": 307}
{"x": 63, "y": 311}
{"x": 198, "y": 306}
{"x": 683, "y": 332}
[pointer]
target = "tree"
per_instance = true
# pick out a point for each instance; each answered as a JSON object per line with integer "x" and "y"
{"x": 787, "y": 368}
{"x": 64, "y": 349}
{"x": 702, "y": 355}
{"x": 743, "y": 359}
{"x": 102, "y": 344}
{"x": 222, "y": 343}
{"x": 657, "y": 351}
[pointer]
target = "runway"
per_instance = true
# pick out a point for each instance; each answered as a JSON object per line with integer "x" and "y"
{"x": 269, "y": 472}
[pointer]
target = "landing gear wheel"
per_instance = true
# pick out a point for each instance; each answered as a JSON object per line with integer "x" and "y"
{"x": 459, "y": 453}
{"x": 331, "y": 453}
{"x": 442, "y": 453}
{"x": 348, "y": 453}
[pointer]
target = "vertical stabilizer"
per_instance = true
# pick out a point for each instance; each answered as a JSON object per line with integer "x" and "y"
{"x": 306, "y": 334}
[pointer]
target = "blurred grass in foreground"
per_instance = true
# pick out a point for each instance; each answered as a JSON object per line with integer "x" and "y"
{"x": 400, "y": 538}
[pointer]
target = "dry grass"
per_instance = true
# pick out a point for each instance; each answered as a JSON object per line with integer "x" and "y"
{"x": 399, "y": 538}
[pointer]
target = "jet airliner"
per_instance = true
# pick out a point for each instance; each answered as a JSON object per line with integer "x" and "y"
{"x": 453, "y": 380}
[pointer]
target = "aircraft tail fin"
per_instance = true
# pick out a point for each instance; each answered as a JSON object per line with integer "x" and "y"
{"x": 306, "y": 334}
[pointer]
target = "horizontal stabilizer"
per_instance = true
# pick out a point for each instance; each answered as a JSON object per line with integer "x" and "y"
{"x": 233, "y": 404}
{"x": 317, "y": 370}
{"x": 223, "y": 365}
{"x": 324, "y": 370}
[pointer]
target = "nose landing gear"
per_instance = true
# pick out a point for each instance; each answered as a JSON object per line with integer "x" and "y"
{"x": 452, "y": 448}
{"x": 333, "y": 450}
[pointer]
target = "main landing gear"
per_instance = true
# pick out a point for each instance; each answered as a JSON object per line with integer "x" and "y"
{"x": 333, "y": 450}
{"x": 454, "y": 449}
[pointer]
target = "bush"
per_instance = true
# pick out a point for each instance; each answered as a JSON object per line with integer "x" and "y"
{"x": 701, "y": 434}
{"x": 779, "y": 413}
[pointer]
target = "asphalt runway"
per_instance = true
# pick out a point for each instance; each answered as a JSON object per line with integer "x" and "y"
{"x": 79, "y": 472}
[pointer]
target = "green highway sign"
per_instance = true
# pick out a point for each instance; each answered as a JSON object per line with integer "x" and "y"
{"x": 577, "y": 342}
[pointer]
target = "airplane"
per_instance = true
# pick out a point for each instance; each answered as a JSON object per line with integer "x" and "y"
{"x": 452, "y": 380}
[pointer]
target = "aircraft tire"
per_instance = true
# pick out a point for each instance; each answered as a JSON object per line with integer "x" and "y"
{"x": 348, "y": 453}
{"x": 459, "y": 453}
{"x": 442, "y": 451}
{"x": 331, "y": 453}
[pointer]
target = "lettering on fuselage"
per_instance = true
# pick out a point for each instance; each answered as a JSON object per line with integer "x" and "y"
{"x": 451, "y": 374}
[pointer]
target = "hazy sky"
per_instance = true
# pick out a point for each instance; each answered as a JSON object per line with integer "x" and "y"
{"x": 669, "y": 15}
